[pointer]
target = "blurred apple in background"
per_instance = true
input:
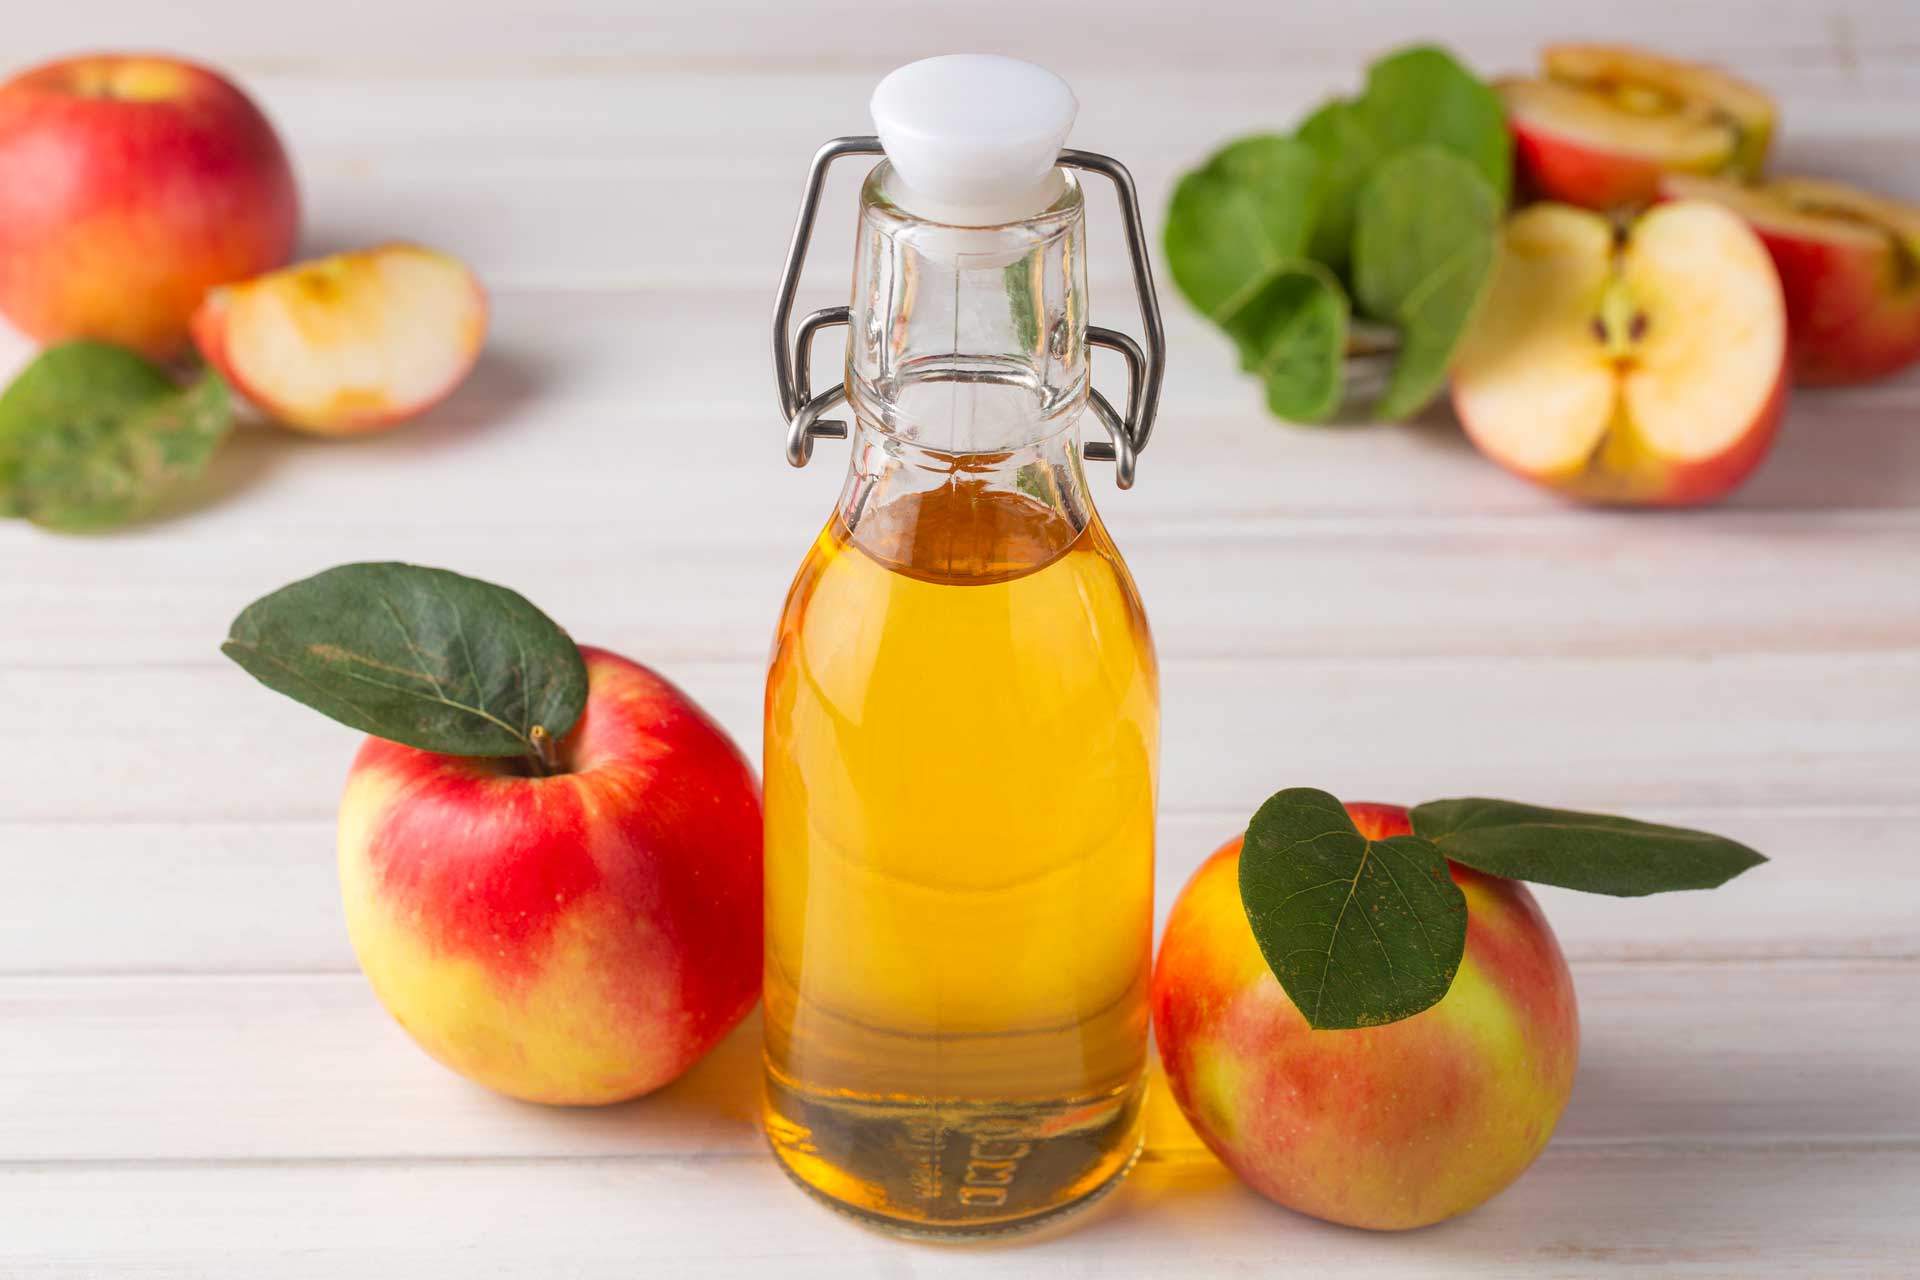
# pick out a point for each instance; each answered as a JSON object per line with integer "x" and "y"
{"x": 351, "y": 343}
{"x": 579, "y": 938}
{"x": 1649, "y": 370}
{"x": 129, "y": 186}
{"x": 1385, "y": 1127}
{"x": 1603, "y": 123}
{"x": 1849, "y": 262}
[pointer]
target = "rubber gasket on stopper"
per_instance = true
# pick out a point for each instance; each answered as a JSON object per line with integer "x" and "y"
{"x": 973, "y": 137}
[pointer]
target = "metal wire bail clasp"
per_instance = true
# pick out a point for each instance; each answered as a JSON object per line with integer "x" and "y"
{"x": 792, "y": 349}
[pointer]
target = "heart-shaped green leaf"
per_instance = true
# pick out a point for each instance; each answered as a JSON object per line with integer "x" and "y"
{"x": 1593, "y": 852}
{"x": 1359, "y": 932}
{"x": 420, "y": 656}
{"x": 92, "y": 435}
{"x": 1425, "y": 237}
{"x": 1235, "y": 220}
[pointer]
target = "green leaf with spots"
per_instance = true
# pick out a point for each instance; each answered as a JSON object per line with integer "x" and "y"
{"x": 421, "y": 656}
{"x": 1359, "y": 932}
{"x": 92, "y": 435}
{"x": 1593, "y": 852}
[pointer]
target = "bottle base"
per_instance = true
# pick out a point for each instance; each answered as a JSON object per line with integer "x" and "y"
{"x": 954, "y": 1172}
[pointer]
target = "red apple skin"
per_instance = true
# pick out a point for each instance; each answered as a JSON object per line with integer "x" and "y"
{"x": 576, "y": 939}
{"x": 1848, "y": 320}
{"x": 1551, "y": 167}
{"x": 129, "y": 186}
{"x": 1389, "y": 1127}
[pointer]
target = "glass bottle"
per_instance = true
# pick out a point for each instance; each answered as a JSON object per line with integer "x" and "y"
{"x": 962, "y": 727}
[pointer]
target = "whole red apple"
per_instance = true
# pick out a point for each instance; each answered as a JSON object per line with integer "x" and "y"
{"x": 1387, "y": 1127}
{"x": 577, "y": 938}
{"x": 129, "y": 186}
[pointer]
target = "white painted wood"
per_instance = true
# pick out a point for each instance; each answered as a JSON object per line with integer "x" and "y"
{"x": 194, "y": 1081}
{"x": 299, "y": 1068}
{"x": 1796, "y": 1212}
{"x": 210, "y": 895}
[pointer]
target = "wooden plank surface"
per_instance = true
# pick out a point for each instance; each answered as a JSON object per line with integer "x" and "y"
{"x": 194, "y": 1080}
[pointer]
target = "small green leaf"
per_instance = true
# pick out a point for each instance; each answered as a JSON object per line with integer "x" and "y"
{"x": 1588, "y": 851}
{"x": 1292, "y": 331}
{"x": 421, "y": 656}
{"x": 1359, "y": 932}
{"x": 92, "y": 435}
{"x": 1425, "y": 239}
{"x": 1234, "y": 221}
{"x": 1421, "y": 96}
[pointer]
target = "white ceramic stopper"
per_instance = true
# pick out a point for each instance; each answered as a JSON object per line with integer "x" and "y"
{"x": 973, "y": 136}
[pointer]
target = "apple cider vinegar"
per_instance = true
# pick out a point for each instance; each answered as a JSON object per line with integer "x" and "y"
{"x": 962, "y": 717}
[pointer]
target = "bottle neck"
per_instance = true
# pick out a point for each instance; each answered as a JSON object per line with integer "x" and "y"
{"x": 967, "y": 373}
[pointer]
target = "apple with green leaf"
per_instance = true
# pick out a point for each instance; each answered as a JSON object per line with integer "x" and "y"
{"x": 1603, "y": 124}
{"x": 1636, "y": 366}
{"x": 550, "y": 857}
{"x": 1365, "y": 1015}
{"x": 1849, "y": 263}
{"x": 130, "y": 184}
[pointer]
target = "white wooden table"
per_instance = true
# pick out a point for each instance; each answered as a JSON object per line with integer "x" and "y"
{"x": 195, "y": 1081}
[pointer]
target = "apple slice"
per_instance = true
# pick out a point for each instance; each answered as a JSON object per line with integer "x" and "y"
{"x": 1644, "y": 370}
{"x": 1849, "y": 262}
{"x": 350, "y": 343}
{"x": 1603, "y": 123}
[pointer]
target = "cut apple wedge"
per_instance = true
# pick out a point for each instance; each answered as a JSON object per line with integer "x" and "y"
{"x": 1648, "y": 369}
{"x": 1849, "y": 263}
{"x": 1603, "y": 123}
{"x": 350, "y": 343}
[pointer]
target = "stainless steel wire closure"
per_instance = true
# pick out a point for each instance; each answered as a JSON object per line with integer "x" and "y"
{"x": 1127, "y": 433}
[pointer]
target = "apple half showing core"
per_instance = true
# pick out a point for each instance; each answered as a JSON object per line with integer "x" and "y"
{"x": 1849, "y": 263}
{"x": 1644, "y": 368}
{"x": 1601, "y": 124}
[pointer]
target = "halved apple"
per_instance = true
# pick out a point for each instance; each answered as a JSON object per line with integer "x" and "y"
{"x": 1603, "y": 123}
{"x": 1849, "y": 263}
{"x": 1644, "y": 368}
{"x": 350, "y": 343}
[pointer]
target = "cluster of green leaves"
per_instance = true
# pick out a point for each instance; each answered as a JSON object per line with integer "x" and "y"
{"x": 91, "y": 435}
{"x": 419, "y": 656}
{"x": 1363, "y": 932}
{"x": 1386, "y": 206}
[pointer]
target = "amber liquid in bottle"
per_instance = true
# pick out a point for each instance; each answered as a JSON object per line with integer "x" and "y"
{"x": 962, "y": 731}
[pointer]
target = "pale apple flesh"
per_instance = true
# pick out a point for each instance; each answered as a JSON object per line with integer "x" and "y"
{"x": 1389, "y": 1127}
{"x": 350, "y": 343}
{"x": 1602, "y": 124}
{"x": 576, "y": 939}
{"x": 129, "y": 186}
{"x": 1849, "y": 264}
{"x": 1649, "y": 370}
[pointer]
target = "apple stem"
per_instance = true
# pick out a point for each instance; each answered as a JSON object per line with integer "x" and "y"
{"x": 545, "y": 757}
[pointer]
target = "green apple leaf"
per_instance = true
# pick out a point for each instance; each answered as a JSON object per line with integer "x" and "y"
{"x": 1426, "y": 234}
{"x": 1237, "y": 219}
{"x": 92, "y": 435}
{"x": 420, "y": 656}
{"x": 1359, "y": 932}
{"x": 1592, "y": 852}
{"x": 1292, "y": 331}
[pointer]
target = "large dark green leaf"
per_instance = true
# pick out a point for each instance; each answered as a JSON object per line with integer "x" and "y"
{"x": 421, "y": 656}
{"x": 92, "y": 435}
{"x": 1425, "y": 238}
{"x": 1359, "y": 932}
{"x": 1589, "y": 851}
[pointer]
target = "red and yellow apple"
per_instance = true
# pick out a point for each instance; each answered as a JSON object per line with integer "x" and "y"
{"x": 1601, "y": 124}
{"x": 129, "y": 186}
{"x": 1644, "y": 367}
{"x": 351, "y": 343}
{"x": 1849, "y": 263}
{"x": 1386, "y": 1127}
{"x": 577, "y": 938}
